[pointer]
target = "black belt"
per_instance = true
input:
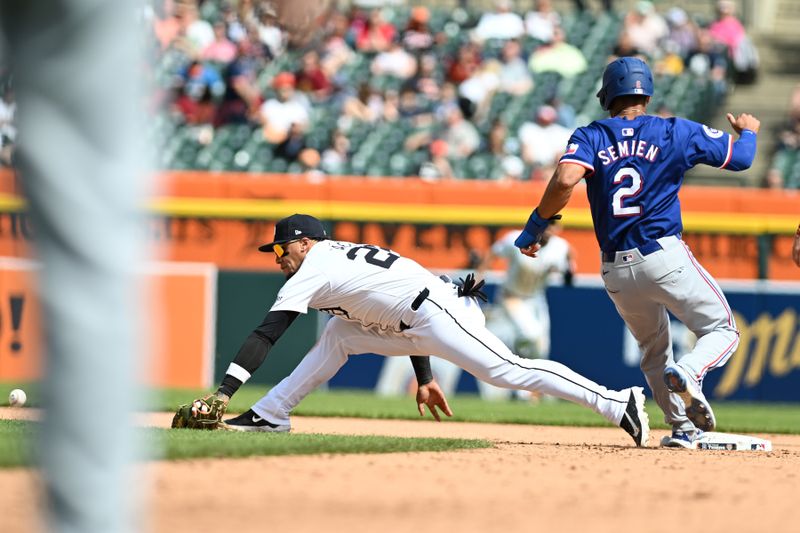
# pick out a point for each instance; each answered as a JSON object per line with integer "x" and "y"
{"x": 415, "y": 305}
{"x": 645, "y": 249}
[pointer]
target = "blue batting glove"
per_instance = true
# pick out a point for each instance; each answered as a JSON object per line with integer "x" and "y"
{"x": 532, "y": 233}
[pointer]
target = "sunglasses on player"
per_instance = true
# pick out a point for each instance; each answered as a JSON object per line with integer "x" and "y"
{"x": 280, "y": 249}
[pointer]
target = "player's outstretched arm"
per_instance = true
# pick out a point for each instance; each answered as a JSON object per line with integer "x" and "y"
{"x": 796, "y": 247}
{"x": 555, "y": 198}
{"x": 432, "y": 395}
{"x": 744, "y": 149}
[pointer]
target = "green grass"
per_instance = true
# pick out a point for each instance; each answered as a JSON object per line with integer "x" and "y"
{"x": 15, "y": 437}
{"x": 736, "y": 417}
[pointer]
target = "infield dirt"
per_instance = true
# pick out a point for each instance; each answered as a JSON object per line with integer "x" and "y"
{"x": 536, "y": 478}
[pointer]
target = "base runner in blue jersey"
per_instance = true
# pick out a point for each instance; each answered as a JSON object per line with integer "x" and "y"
{"x": 634, "y": 164}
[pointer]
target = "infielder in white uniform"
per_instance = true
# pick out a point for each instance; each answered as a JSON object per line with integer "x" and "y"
{"x": 522, "y": 303}
{"x": 387, "y": 304}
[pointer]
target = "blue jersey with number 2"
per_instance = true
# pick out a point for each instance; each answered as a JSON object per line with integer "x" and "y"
{"x": 634, "y": 170}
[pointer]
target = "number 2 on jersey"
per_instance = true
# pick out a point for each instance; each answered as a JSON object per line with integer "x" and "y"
{"x": 626, "y": 192}
{"x": 371, "y": 256}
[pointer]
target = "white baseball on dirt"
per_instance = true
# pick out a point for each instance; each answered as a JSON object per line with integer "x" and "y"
{"x": 17, "y": 398}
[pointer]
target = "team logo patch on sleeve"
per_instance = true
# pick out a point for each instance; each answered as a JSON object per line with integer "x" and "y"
{"x": 572, "y": 148}
{"x": 711, "y": 132}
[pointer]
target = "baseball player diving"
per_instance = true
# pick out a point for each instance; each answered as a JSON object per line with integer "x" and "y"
{"x": 384, "y": 303}
{"x": 634, "y": 164}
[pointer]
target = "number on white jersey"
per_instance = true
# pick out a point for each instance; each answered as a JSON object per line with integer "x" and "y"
{"x": 626, "y": 192}
{"x": 371, "y": 256}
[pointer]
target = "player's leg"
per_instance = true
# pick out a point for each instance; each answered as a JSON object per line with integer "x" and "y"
{"x": 699, "y": 303}
{"x": 445, "y": 329}
{"x": 338, "y": 341}
{"x": 695, "y": 299}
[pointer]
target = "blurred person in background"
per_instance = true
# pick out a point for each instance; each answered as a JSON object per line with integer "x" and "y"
{"x": 242, "y": 99}
{"x": 336, "y": 156}
{"x": 288, "y": 114}
{"x": 515, "y": 78}
{"x": 312, "y": 79}
{"x": 438, "y": 168}
{"x": 8, "y": 129}
{"x": 461, "y": 135}
{"x": 502, "y": 23}
{"x": 646, "y": 28}
{"x": 417, "y": 37}
{"x": 221, "y": 50}
{"x": 542, "y": 20}
{"x": 196, "y": 33}
{"x": 375, "y": 35}
{"x": 796, "y": 247}
{"x": 520, "y": 316}
{"x": 558, "y": 56}
{"x": 543, "y": 141}
{"x": 81, "y": 160}
{"x": 394, "y": 61}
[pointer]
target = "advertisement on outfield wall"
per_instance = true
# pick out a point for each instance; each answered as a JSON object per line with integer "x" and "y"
{"x": 588, "y": 335}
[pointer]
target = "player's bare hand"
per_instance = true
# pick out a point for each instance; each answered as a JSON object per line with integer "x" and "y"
{"x": 532, "y": 250}
{"x": 745, "y": 121}
{"x": 432, "y": 396}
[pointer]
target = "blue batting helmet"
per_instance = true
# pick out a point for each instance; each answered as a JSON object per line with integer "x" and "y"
{"x": 624, "y": 76}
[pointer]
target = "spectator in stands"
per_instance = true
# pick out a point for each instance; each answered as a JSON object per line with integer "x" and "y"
{"x": 727, "y": 29}
{"x": 626, "y": 48}
{"x": 543, "y": 141}
{"x": 221, "y": 50}
{"x": 566, "y": 113}
{"x": 512, "y": 168}
{"x": 198, "y": 77}
{"x": 417, "y": 37}
{"x": 376, "y": 35}
{"x": 195, "y": 109}
{"x": 789, "y": 131}
{"x": 670, "y": 62}
{"x": 312, "y": 79}
{"x": 337, "y": 155}
{"x": 515, "y": 78}
{"x": 460, "y": 134}
{"x": 503, "y": 23}
{"x": 166, "y": 26}
{"x": 197, "y": 33}
{"x": 395, "y": 62}
{"x": 286, "y": 117}
{"x": 709, "y": 60}
{"x": 438, "y": 168}
{"x": 8, "y": 129}
{"x": 608, "y": 5}
{"x": 542, "y": 20}
{"x": 558, "y": 56}
{"x": 365, "y": 106}
{"x": 730, "y": 32}
{"x": 796, "y": 247}
{"x": 480, "y": 87}
{"x": 428, "y": 80}
{"x": 682, "y": 31}
{"x": 336, "y": 51}
{"x": 646, "y": 28}
{"x": 467, "y": 61}
{"x": 242, "y": 99}
{"x": 773, "y": 179}
{"x": 269, "y": 32}
{"x": 235, "y": 27}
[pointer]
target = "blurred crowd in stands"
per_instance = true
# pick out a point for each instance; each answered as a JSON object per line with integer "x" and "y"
{"x": 400, "y": 90}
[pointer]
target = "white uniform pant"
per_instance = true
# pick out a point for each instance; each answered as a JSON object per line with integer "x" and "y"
{"x": 643, "y": 288}
{"x": 450, "y": 328}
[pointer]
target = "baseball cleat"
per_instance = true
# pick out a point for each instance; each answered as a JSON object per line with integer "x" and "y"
{"x": 635, "y": 420}
{"x": 250, "y": 421}
{"x": 680, "y": 439}
{"x": 697, "y": 408}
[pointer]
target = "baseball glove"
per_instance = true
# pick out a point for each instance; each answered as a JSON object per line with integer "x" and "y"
{"x": 203, "y": 413}
{"x": 468, "y": 286}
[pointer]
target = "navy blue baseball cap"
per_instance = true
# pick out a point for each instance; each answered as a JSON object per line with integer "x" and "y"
{"x": 296, "y": 227}
{"x": 625, "y": 76}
